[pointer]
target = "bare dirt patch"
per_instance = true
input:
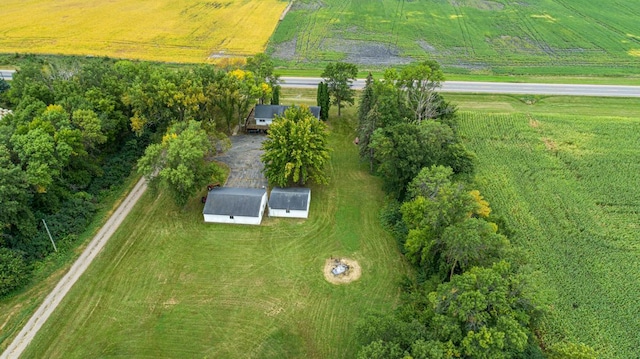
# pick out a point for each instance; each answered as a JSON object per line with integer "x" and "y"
{"x": 550, "y": 144}
{"x": 310, "y": 5}
{"x": 427, "y": 47}
{"x": 362, "y": 52}
{"x": 353, "y": 271}
{"x": 534, "y": 123}
{"x": 285, "y": 50}
{"x": 170, "y": 302}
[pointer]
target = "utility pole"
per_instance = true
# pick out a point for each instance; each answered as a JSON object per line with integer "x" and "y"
{"x": 49, "y": 233}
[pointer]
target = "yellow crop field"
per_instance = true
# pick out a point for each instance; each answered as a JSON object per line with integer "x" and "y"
{"x": 159, "y": 30}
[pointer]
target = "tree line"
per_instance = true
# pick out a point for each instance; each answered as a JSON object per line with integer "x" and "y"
{"x": 471, "y": 294}
{"x": 79, "y": 128}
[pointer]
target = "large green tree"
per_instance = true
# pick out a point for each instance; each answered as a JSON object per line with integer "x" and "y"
{"x": 275, "y": 96}
{"x": 179, "y": 163}
{"x": 296, "y": 149}
{"x": 473, "y": 242}
{"x": 323, "y": 100}
{"x": 235, "y": 93}
{"x": 261, "y": 65}
{"x": 368, "y": 116}
{"x": 427, "y": 218}
{"x": 419, "y": 83}
{"x": 367, "y": 100}
{"x": 339, "y": 76}
{"x": 14, "y": 192}
{"x": 51, "y": 143}
{"x": 402, "y": 150}
{"x": 485, "y": 312}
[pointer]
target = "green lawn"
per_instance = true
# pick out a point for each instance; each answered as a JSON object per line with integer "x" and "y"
{"x": 169, "y": 285}
{"x": 544, "y": 104}
{"x": 567, "y": 185}
{"x": 499, "y": 37}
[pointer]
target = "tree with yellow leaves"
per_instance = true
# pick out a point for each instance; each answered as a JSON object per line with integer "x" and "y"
{"x": 296, "y": 149}
{"x": 236, "y": 93}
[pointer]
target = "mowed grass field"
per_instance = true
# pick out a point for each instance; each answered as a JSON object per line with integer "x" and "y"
{"x": 169, "y": 285}
{"x": 174, "y": 31}
{"x": 567, "y": 185}
{"x": 557, "y": 37}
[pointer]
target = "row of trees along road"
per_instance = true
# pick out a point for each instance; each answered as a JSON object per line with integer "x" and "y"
{"x": 472, "y": 295}
{"x": 78, "y": 128}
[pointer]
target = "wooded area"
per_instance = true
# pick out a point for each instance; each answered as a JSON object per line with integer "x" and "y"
{"x": 77, "y": 130}
{"x": 472, "y": 295}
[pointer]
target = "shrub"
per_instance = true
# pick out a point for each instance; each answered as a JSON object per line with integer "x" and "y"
{"x": 14, "y": 272}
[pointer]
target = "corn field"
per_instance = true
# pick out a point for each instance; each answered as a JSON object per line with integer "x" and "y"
{"x": 568, "y": 188}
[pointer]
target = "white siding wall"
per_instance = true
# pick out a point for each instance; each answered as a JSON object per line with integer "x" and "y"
{"x": 291, "y": 214}
{"x": 263, "y": 205}
{"x": 212, "y": 218}
{"x": 264, "y": 121}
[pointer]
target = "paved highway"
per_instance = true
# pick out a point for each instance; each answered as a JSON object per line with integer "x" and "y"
{"x": 479, "y": 87}
{"x": 499, "y": 88}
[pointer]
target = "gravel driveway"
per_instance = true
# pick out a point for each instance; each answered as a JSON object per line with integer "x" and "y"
{"x": 244, "y": 160}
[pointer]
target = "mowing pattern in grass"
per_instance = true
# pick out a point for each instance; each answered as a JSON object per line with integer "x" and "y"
{"x": 179, "y": 31}
{"x": 568, "y": 187}
{"x": 532, "y": 37}
{"x": 168, "y": 285}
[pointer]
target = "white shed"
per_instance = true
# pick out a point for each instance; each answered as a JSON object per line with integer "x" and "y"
{"x": 289, "y": 202}
{"x": 235, "y": 205}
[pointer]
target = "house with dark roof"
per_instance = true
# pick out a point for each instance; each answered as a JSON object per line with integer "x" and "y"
{"x": 235, "y": 205}
{"x": 262, "y": 116}
{"x": 289, "y": 202}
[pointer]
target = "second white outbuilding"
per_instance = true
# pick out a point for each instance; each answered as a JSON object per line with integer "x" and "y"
{"x": 289, "y": 202}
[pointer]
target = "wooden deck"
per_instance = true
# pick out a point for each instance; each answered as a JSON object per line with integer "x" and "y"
{"x": 250, "y": 124}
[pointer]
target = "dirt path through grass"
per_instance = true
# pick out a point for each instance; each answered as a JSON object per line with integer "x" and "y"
{"x": 50, "y": 303}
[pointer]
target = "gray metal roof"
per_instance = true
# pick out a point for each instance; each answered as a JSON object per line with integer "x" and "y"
{"x": 315, "y": 110}
{"x": 230, "y": 201}
{"x": 270, "y": 111}
{"x": 296, "y": 199}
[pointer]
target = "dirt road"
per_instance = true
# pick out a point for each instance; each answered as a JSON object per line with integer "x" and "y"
{"x": 50, "y": 303}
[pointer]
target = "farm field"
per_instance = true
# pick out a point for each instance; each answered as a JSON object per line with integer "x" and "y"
{"x": 553, "y": 37}
{"x": 173, "y": 31}
{"x": 567, "y": 186}
{"x": 546, "y": 105}
{"x": 169, "y": 285}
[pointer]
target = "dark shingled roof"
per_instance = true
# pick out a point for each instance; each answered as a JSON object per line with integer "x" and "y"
{"x": 270, "y": 111}
{"x": 229, "y": 201}
{"x": 289, "y": 198}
